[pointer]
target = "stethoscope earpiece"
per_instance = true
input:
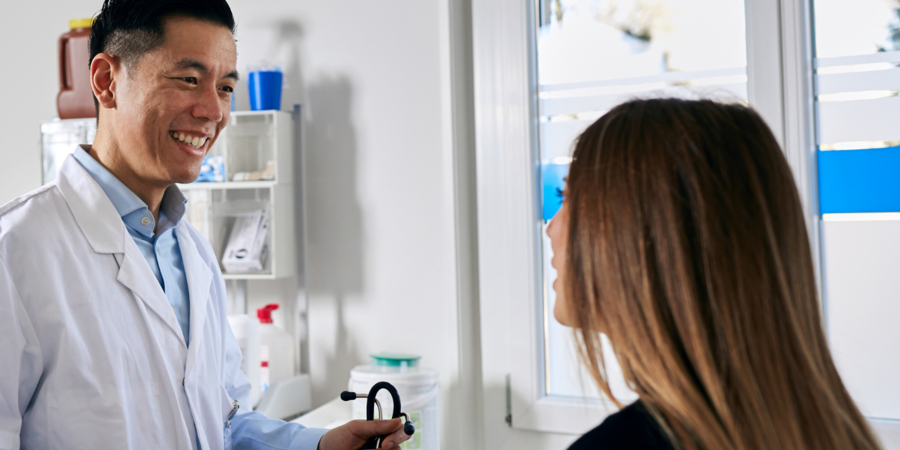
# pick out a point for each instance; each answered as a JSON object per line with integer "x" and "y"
{"x": 408, "y": 427}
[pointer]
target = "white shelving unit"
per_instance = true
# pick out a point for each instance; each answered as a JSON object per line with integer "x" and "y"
{"x": 251, "y": 141}
{"x": 59, "y": 138}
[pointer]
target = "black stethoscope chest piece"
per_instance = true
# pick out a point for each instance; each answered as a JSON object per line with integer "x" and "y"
{"x": 372, "y": 402}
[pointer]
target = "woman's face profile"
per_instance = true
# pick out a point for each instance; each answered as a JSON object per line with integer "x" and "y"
{"x": 558, "y": 231}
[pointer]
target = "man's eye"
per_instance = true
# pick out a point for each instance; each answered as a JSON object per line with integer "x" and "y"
{"x": 190, "y": 80}
{"x": 228, "y": 89}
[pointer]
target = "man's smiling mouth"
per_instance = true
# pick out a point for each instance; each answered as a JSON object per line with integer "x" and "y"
{"x": 193, "y": 141}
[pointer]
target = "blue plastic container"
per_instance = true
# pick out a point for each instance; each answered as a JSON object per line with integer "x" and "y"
{"x": 265, "y": 90}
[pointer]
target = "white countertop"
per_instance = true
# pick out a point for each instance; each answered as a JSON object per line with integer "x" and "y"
{"x": 330, "y": 415}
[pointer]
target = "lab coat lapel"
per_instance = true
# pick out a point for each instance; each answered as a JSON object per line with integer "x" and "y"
{"x": 199, "y": 277}
{"x": 135, "y": 274}
{"x": 103, "y": 228}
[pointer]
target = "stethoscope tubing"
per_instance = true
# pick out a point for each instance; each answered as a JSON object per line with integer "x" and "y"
{"x": 372, "y": 403}
{"x": 374, "y": 442}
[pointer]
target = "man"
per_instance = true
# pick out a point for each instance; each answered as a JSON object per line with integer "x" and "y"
{"x": 112, "y": 311}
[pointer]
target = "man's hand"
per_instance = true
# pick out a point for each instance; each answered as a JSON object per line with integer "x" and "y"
{"x": 354, "y": 434}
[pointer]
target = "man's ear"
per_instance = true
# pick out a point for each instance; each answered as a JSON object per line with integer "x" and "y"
{"x": 104, "y": 70}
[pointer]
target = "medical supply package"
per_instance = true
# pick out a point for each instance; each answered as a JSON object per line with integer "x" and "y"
{"x": 247, "y": 249}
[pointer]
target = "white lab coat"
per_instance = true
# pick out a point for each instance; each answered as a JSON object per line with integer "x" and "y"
{"x": 91, "y": 353}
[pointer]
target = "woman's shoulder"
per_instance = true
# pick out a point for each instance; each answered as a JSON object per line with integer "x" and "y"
{"x": 631, "y": 428}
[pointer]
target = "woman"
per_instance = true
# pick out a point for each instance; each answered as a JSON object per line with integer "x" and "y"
{"x": 682, "y": 238}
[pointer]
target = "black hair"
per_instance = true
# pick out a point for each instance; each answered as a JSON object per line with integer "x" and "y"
{"x": 128, "y": 29}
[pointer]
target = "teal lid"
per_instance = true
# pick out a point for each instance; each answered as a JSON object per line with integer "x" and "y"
{"x": 394, "y": 359}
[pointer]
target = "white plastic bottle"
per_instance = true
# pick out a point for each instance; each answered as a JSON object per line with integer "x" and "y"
{"x": 246, "y": 332}
{"x": 277, "y": 345}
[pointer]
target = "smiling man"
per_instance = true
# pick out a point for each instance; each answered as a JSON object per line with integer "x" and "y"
{"x": 112, "y": 308}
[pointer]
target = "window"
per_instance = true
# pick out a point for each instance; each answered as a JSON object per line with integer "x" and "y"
{"x": 546, "y": 69}
{"x": 593, "y": 55}
{"x": 857, "y": 79}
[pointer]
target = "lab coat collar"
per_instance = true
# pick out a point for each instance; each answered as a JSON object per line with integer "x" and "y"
{"x": 127, "y": 202}
{"x": 104, "y": 230}
{"x": 94, "y": 212}
{"x": 199, "y": 277}
{"x": 123, "y": 199}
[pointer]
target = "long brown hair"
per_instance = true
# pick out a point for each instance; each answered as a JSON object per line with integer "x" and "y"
{"x": 687, "y": 247}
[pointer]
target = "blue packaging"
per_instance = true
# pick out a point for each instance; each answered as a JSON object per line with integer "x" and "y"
{"x": 212, "y": 170}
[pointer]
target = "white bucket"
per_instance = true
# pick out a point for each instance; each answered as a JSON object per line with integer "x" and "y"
{"x": 419, "y": 391}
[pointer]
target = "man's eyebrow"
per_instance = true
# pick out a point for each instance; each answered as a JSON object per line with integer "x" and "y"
{"x": 188, "y": 63}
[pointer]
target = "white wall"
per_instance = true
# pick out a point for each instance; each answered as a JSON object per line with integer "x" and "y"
{"x": 374, "y": 79}
{"x": 30, "y": 81}
{"x": 380, "y": 132}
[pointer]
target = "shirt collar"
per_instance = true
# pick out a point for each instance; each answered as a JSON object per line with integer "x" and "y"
{"x": 131, "y": 208}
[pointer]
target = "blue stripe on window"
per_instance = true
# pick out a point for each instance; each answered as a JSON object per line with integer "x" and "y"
{"x": 553, "y": 178}
{"x": 859, "y": 181}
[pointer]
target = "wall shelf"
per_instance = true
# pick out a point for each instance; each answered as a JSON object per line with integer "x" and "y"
{"x": 251, "y": 141}
{"x": 227, "y": 185}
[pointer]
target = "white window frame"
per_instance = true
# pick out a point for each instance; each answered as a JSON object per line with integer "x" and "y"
{"x": 516, "y": 414}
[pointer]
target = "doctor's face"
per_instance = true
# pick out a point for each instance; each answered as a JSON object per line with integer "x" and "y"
{"x": 173, "y": 103}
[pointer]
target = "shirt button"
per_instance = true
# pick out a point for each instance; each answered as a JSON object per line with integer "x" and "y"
{"x": 145, "y": 221}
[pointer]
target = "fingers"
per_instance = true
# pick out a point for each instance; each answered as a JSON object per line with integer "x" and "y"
{"x": 390, "y": 444}
{"x": 355, "y": 433}
{"x": 369, "y": 428}
{"x": 395, "y": 439}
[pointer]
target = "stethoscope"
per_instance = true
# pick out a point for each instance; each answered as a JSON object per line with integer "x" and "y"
{"x": 372, "y": 402}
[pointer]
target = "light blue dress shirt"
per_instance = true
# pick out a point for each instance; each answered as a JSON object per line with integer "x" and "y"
{"x": 160, "y": 249}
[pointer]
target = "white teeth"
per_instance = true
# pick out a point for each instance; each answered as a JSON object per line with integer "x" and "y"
{"x": 193, "y": 141}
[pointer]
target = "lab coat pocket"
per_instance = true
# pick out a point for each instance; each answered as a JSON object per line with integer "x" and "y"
{"x": 229, "y": 410}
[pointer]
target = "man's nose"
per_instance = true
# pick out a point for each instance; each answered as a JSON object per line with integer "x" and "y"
{"x": 209, "y": 106}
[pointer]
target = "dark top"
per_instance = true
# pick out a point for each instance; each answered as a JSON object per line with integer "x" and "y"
{"x": 631, "y": 428}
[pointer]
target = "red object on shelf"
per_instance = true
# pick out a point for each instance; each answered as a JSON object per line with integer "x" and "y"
{"x": 76, "y": 98}
{"x": 265, "y": 313}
